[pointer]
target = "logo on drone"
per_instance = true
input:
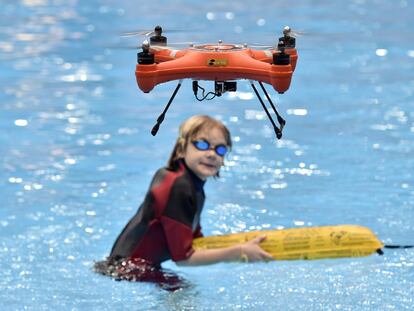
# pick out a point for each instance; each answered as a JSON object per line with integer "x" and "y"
{"x": 217, "y": 62}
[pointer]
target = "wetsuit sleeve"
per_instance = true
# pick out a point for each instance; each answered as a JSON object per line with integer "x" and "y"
{"x": 177, "y": 220}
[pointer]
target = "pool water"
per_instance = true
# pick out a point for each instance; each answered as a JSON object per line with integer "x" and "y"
{"x": 77, "y": 155}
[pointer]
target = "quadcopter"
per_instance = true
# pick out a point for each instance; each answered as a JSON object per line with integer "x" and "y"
{"x": 219, "y": 62}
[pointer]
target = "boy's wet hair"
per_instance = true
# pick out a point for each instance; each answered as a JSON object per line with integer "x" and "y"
{"x": 189, "y": 130}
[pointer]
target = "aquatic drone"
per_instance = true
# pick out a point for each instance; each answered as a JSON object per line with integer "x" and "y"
{"x": 219, "y": 62}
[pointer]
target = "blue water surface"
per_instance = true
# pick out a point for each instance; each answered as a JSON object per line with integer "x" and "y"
{"x": 77, "y": 156}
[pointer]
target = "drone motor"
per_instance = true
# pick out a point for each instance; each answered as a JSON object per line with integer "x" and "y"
{"x": 158, "y": 38}
{"x": 145, "y": 57}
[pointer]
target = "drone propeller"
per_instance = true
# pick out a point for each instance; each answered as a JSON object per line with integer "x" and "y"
{"x": 288, "y": 38}
{"x": 157, "y": 31}
{"x": 260, "y": 46}
{"x": 174, "y": 45}
{"x": 183, "y": 45}
{"x": 170, "y": 46}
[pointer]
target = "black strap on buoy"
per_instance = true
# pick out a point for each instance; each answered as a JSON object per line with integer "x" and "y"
{"x": 380, "y": 252}
{"x": 398, "y": 246}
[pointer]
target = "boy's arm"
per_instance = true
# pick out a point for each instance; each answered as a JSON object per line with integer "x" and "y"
{"x": 210, "y": 256}
{"x": 249, "y": 251}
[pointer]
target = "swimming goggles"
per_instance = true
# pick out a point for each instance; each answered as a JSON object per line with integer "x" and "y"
{"x": 204, "y": 145}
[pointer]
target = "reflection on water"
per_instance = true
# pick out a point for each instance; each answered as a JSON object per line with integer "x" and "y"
{"x": 76, "y": 155}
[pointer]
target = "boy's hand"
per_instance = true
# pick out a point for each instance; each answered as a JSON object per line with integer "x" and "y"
{"x": 251, "y": 251}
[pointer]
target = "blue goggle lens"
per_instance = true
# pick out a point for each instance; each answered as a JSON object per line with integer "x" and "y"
{"x": 201, "y": 145}
{"x": 221, "y": 150}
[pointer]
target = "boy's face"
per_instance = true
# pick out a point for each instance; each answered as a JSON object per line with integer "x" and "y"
{"x": 205, "y": 163}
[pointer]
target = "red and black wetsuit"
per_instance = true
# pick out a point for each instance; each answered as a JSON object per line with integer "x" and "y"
{"x": 167, "y": 221}
{"x": 162, "y": 229}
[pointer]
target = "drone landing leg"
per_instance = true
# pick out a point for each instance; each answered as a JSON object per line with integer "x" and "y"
{"x": 162, "y": 115}
{"x": 281, "y": 121}
{"x": 276, "y": 129}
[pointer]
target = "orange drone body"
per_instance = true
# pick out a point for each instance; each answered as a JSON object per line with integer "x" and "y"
{"x": 216, "y": 62}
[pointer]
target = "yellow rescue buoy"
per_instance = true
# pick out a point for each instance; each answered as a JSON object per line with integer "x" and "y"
{"x": 304, "y": 243}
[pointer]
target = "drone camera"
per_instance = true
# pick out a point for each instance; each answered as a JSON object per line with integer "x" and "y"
{"x": 221, "y": 87}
